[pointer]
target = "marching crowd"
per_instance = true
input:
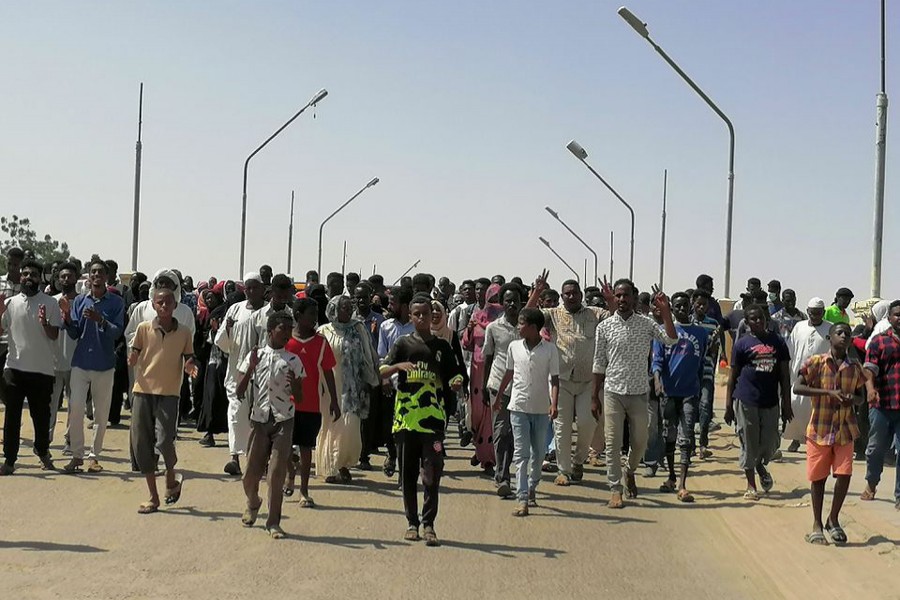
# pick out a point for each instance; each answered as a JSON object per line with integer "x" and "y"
{"x": 535, "y": 379}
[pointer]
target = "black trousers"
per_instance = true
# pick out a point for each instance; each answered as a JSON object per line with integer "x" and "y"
{"x": 119, "y": 388}
{"x": 420, "y": 453}
{"x": 38, "y": 389}
{"x": 376, "y": 428}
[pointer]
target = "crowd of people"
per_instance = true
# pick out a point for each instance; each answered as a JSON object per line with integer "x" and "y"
{"x": 309, "y": 376}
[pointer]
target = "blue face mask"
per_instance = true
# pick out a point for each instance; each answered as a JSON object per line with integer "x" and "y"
{"x": 773, "y": 297}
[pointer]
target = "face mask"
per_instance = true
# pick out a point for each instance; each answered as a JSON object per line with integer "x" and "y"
{"x": 773, "y": 297}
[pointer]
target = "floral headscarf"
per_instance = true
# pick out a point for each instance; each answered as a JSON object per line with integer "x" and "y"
{"x": 441, "y": 330}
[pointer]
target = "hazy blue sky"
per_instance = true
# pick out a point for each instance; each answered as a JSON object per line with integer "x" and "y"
{"x": 463, "y": 110}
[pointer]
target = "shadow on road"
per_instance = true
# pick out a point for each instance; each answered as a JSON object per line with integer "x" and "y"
{"x": 49, "y": 547}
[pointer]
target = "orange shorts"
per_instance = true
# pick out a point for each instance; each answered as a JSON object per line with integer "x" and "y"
{"x": 822, "y": 461}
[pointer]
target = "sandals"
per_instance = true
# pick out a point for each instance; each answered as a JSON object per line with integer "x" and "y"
{"x": 250, "y": 515}
{"x": 816, "y": 538}
{"x": 685, "y": 496}
{"x": 46, "y": 463}
{"x": 307, "y": 502}
{"x": 332, "y": 479}
{"x": 836, "y": 533}
{"x": 94, "y": 466}
{"x": 766, "y": 481}
{"x": 521, "y": 510}
{"x": 7, "y": 469}
{"x": 173, "y": 495}
{"x": 344, "y": 475}
{"x": 631, "y": 490}
{"x": 868, "y": 494}
{"x": 669, "y": 486}
{"x": 74, "y": 466}
{"x": 148, "y": 508}
{"x": 562, "y": 479}
{"x": 431, "y": 538}
{"x": 615, "y": 501}
{"x": 412, "y": 534}
{"x": 751, "y": 494}
{"x": 275, "y": 532}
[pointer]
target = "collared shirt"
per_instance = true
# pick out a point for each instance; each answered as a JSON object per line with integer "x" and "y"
{"x": 30, "y": 349}
{"x": 623, "y": 349}
{"x": 8, "y": 289}
{"x": 532, "y": 369}
{"x": 497, "y": 337}
{"x": 96, "y": 349}
{"x": 373, "y": 322}
{"x": 65, "y": 347}
{"x": 786, "y": 321}
{"x": 832, "y": 422}
{"x": 883, "y": 359}
{"x": 574, "y": 336}
{"x": 259, "y": 335}
{"x": 390, "y": 331}
{"x": 160, "y": 357}
{"x": 270, "y": 389}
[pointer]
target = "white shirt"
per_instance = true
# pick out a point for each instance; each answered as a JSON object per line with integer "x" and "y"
{"x": 237, "y": 343}
{"x": 269, "y": 391}
{"x": 622, "y": 352}
{"x": 532, "y": 369}
{"x": 806, "y": 340}
{"x": 65, "y": 347}
{"x": 30, "y": 349}
{"x": 497, "y": 337}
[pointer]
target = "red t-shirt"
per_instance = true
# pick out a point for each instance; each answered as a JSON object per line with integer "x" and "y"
{"x": 317, "y": 357}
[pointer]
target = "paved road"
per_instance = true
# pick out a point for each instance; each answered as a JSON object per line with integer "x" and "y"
{"x": 77, "y": 537}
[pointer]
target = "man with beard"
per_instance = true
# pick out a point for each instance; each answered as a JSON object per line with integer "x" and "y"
{"x": 32, "y": 322}
{"x": 67, "y": 275}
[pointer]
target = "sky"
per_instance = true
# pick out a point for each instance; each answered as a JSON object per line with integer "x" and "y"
{"x": 463, "y": 110}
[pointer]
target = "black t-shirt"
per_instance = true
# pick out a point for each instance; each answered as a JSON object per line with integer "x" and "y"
{"x": 422, "y": 392}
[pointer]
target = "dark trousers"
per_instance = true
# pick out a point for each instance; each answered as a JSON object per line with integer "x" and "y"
{"x": 119, "y": 388}
{"x": 504, "y": 447}
{"x": 376, "y": 428}
{"x": 420, "y": 453}
{"x": 38, "y": 389}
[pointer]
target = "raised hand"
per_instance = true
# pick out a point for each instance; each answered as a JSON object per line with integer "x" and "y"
{"x": 540, "y": 284}
{"x": 660, "y": 300}
{"x": 608, "y": 293}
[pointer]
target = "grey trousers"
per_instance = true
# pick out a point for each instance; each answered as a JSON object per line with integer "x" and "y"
{"x": 503, "y": 441}
{"x": 154, "y": 421}
{"x": 617, "y": 407}
{"x": 269, "y": 444}
{"x": 758, "y": 431}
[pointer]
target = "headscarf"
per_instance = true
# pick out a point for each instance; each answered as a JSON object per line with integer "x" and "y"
{"x": 491, "y": 311}
{"x": 880, "y": 310}
{"x": 442, "y": 330}
{"x": 357, "y": 360}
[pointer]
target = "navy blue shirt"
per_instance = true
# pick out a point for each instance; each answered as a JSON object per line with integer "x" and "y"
{"x": 681, "y": 365}
{"x": 96, "y": 349}
{"x": 757, "y": 361}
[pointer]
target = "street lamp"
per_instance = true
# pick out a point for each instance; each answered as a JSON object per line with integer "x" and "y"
{"x": 641, "y": 28}
{"x": 881, "y": 106}
{"x": 562, "y": 260}
{"x": 313, "y": 101}
{"x": 555, "y": 215}
{"x": 581, "y": 154}
{"x": 411, "y": 267}
{"x": 339, "y": 209}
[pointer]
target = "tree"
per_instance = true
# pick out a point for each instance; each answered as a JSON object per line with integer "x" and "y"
{"x": 18, "y": 233}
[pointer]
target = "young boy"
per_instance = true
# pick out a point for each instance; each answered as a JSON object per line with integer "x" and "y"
{"x": 759, "y": 374}
{"x": 530, "y": 363}
{"x": 677, "y": 376}
{"x": 835, "y": 383}
{"x": 160, "y": 350}
{"x": 318, "y": 362}
{"x": 270, "y": 375}
{"x": 427, "y": 371}
{"x": 715, "y": 335}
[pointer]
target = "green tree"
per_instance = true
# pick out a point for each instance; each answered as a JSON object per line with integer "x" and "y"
{"x": 18, "y": 233}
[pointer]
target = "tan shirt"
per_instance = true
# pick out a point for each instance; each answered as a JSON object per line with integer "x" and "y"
{"x": 574, "y": 336}
{"x": 161, "y": 361}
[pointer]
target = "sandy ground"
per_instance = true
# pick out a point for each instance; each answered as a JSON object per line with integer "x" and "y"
{"x": 64, "y": 536}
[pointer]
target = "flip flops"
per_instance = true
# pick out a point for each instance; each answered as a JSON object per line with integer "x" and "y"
{"x": 307, "y": 502}
{"x": 173, "y": 495}
{"x": 817, "y": 538}
{"x": 148, "y": 508}
{"x": 836, "y": 533}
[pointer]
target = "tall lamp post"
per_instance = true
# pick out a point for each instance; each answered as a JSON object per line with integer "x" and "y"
{"x": 339, "y": 209}
{"x": 881, "y": 106}
{"x": 662, "y": 242}
{"x": 581, "y": 154}
{"x": 561, "y": 259}
{"x": 411, "y": 267}
{"x": 313, "y": 101}
{"x": 641, "y": 28}
{"x": 137, "y": 183}
{"x": 555, "y": 215}
{"x": 290, "y": 234}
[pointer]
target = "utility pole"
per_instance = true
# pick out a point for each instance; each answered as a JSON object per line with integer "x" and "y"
{"x": 290, "y": 234}
{"x": 662, "y": 243}
{"x": 881, "y": 108}
{"x": 137, "y": 183}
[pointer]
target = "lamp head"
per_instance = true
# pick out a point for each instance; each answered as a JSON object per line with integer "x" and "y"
{"x": 635, "y": 23}
{"x": 373, "y": 182}
{"x": 552, "y": 212}
{"x": 576, "y": 149}
{"x": 545, "y": 242}
{"x": 319, "y": 95}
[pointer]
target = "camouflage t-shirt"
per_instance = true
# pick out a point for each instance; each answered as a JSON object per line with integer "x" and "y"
{"x": 421, "y": 392}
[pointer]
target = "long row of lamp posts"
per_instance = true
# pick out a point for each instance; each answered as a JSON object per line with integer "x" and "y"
{"x": 579, "y": 152}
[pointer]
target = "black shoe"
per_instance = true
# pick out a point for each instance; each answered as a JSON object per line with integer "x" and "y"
{"x": 465, "y": 438}
{"x": 207, "y": 441}
{"x": 233, "y": 467}
{"x": 793, "y": 446}
{"x": 364, "y": 465}
{"x": 389, "y": 467}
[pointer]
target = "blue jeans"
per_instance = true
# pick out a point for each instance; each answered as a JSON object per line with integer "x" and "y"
{"x": 884, "y": 425}
{"x": 529, "y": 437}
{"x": 707, "y": 395}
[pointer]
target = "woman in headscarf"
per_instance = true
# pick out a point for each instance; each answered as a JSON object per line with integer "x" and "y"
{"x": 489, "y": 309}
{"x": 213, "y": 416}
{"x": 340, "y": 442}
{"x": 440, "y": 328}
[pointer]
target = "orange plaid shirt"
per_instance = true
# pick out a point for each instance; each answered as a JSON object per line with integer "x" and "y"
{"x": 832, "y": 422}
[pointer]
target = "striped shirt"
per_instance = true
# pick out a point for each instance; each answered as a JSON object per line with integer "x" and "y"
{"x": 832, "y": 423}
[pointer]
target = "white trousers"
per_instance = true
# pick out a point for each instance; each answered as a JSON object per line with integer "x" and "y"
{"x": 238, "y": 420}
{"x": 100, "y": 384}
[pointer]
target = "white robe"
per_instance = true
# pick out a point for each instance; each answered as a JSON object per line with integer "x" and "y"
{"x": 237, "y": 344}
{"x": 806, "y": 340}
